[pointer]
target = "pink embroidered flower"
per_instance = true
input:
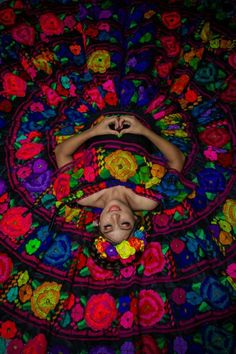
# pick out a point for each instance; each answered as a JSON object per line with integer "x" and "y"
{"x": 160, "y": 220}
{"x": 127, "y": 272}
{"x": 231, "y": 271}
{"x": 127, "y": 319}
{"x": 24, "y": 172}
{"x": 179, "y": 296}
{"x": 94, "y": 96}
{"x": 177, "y": 246}
{"x": 6, "y": 267}
{"x": 109, "y": 86}
{"x": 100, "y": 311}
{"x": 210, "y": 154}
{"x": 104, "y": 26}
{"x": 77, "y": 313}
{"x": 14, "y": 85}
{"x": 69, "y": 21}
{"x": 89, "y": 174}
{"x": 98, "y": 273}
{"x": 51, "y": 95}
{"x": 153, "y": 259}
{"x": 82, "y": 108}
{"x": 24, "y": 34}
{"x": 232, "y": 60}
{"x": 15, "y": 346}
{"x": 151, "y": 308}
{"x": 37, "y": 107}
{"x": 51, "y": 24}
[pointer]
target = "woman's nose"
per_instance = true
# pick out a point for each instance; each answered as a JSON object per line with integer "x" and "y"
{"x": 115, "y": 217}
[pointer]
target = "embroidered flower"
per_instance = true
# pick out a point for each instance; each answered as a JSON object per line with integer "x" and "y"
{"x": 127, "y": 272}
{"x": 210, "y": 154}
{"x": 77, "y": 313}
{"x": 38, "y": 183}
{"x": 231, "y": 271}
{"x": 171, "y": 45}
{"x": 219, "y": 339}
{"x": 8, "y": 329}
{"x": 61, "y": 186}
{"x": 24, "y": 34}
{"x": 149, "y": 345}
{"x": 151, "y": 308}
{"x": 127, "y": 319}
{"x": 99, "y": 61}
{"x": 24, "y": 172}
{"x": 125, "y": 250}
{"x": 216, "y": 137}
{"x": 153, "y": 259}
{"x": 121, "y": 165}
{"x": 177, "y": 246}
{"x": 39, "y": 166}
{"x": 59, "y": 252}
{"x": 14, "y": 85}
{"x": 102, "y": 349}
{"x": 171, "y": 20}
{"x": 25, "y": 293}
{"x": 6, "y": 267}
{"x": 7, "y": 17}
{"x": 163, "y": 69}
{"x": 14, "y": 224}
{"x": 36, "y": 345}
{"x": 232, "y": 59}
{"x": 210, "y": 180}
{"x": 158, "y": 170}
{"x": 100, "y": 311}
{"x": 29, "y": 150}
{"x": 215, "y": 293}
{"x": 180, "y": 345}
{"x": 45, "y": 298}
{"x": 98, "y": 273}
{"x": 229, "y": 210}
{"x": 89, "y": 174}
{"x": 15, "y": 346}
{"x": 179, "y": 296}
{"x": 51, "y": 24}
{"x": 229, "y": 95}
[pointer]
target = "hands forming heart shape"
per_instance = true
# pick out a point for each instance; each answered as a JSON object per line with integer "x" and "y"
{"x": 123, "y": 123}
{"x": 120, "y": 127}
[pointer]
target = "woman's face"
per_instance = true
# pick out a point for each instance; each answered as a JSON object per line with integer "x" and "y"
{"x": 116, "y": 221}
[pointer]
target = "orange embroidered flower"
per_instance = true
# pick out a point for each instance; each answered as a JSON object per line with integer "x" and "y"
{"x": 135, "y": 243}
{"x": 121, "y": 165}
{"x": 25, "y": 293}
{"x": 158, "y": 170}
{"x": 45, "y": 298}
{"x": 99, "y": 61}
{"x": 229, "y": 211}
{"x": 225, "y": 238}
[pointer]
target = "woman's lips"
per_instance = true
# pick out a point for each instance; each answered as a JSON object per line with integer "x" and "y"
{"x": 114, "y": 208}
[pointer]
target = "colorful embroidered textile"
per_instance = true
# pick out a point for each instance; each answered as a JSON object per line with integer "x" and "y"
{"x": 64, "y": 64}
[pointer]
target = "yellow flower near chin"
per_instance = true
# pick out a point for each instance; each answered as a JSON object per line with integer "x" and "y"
{"x": 158, "y": 170}
{"x": 45, "y": 298}
{"x": 99, "y": 61}
{"x": 229, "y": 210}
{"x": 121, "y": 165}
{"x": 125, "y": 250}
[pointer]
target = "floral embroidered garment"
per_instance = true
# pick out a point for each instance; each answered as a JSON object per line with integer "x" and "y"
{"x": 64, "y": 64}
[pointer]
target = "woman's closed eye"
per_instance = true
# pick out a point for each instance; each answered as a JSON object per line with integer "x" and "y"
{"x": 126, "y": 225}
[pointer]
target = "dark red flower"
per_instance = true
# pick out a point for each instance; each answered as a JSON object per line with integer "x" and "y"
{"x": 171, "y": 20}
{"x": 229, "y": 95}
{"x": 225, "y": 159}
{"x": 164, "y": 69}
{"x": 148, "y": 345}
{"x": 51, "y": 24}
{"x": 8, "y": 329}
{"x": 214, "y": 136}
{"x": 62, "y": 186}
{"x": 5, "y": 106}
{"x": 97, "y": 272}
{"x": 6, "y": 266}
{"x": 100, "y": 311}
{"x": 153, "y": 259}
{"x": 36, "y": 345}
{"x": 28, "y": 150}
{"x": 92, "y": 31}
{"x": 24, "y": 34}
{"x": 14, "y": 85}
{"x": 14, "y": 224}
{"x": 171, "y": 45}
{"x": 7, "y": 17}
{"x": 111, "y": 98}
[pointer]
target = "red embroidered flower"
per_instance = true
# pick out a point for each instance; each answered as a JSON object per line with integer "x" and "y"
{"x": 8, "y": 329}
{"x": 134, "y": 306}
{"x": 98, "y": 273}
{"x": 14, "y": 224}
{"x": 14, "y": 85}
{"x": 171, "y": 20}
{"x": 92, "y": 31}
{"x": 23, "y": 172}
{"x": 111, "y": 98}
{"x": 171, "y": 45}
{"x": 216, "y": 137}
{"x": 7, "y": 17}
{"x": 36, "y": 345}
{"x": 225, "y": 159}
{"x": 164, "y": 69}
{"x": 151, "y": 308}
{"x": 148, "y": 345}
{"x": 34, "y": 134}
{"x": 62, "y": 186}
{"x": 75, "y": 49}
{"x": 179, "y": 296}
{"x": 5, "y": 106}
{"x": 51, "y": 24}
{"x": 28, "y": 150}
{"x": 93, "y": 95}
{"x": 190, "y": 96}
{"x": 24, "y": 34}
{"x": 52, "y": 96}
{"x": 100, "y": 311}
{"x": 89, "y": 174}
{"x": 160, "y": 220}
{"x": 69, "y": 302}
{"x": 229, "y": 95}
{"x": 6, "y": 266}
{"x": 81, "y": 261}
{"x": 153, "y": 259}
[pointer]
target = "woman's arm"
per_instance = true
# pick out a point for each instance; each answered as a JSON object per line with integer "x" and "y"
{"x": 175, "y": 158}
{"x": 65, "y": 150}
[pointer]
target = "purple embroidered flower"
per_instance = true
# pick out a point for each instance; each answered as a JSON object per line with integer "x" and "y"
{"x": 3, "y": 186}
{"x": 111, "y": 251}
{"x": 102, "y": 349}
{"x": 59, "y": 349}
{"x": 180, "y": 345}
{"x": 39, "y": 166}
{"x": 127, "y": 348}
{"x": 132, "y": 62}
{"x": 38, "y": 183}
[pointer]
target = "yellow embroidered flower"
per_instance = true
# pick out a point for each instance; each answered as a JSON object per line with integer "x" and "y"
{"x": 121, "y": 165}
{"x": 125, "y": 250}
{"x": 45, "y": 298}
{"x": 158, "y": 170}
{"x": 99, "y": 61}
{"x": 229, "y": 210}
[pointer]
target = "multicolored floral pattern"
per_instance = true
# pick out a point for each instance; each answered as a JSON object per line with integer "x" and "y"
{"x": 63, "y": 65}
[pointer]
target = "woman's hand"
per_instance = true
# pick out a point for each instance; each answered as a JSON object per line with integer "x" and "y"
{"x": 109, "y": 125}
{"x": 130, "y": 124}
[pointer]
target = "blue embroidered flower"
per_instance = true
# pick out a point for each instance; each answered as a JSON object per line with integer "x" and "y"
{"x": 59, "y": 252}
{"x": 124, "y": 304}
{"x": 199, "y": 202}
{"x": 211, "y": 180}
{"x": 168, "y": 185}
{"x": 214, "y": 293}
{"x": 217, "y": 340}
{"x": 193, "y": 298}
